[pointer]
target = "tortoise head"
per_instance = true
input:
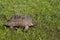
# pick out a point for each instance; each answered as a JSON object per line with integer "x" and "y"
{"x": 35, "y": 23}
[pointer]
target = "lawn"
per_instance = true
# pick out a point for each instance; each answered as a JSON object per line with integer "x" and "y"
{"x": 46, "y": 12}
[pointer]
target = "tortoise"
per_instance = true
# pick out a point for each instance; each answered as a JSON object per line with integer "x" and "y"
{"x": 21, "y": 20}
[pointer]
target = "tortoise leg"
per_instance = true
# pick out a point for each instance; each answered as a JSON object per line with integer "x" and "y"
{"x": 26, "y": 28}
{"x": 11, "y": 27}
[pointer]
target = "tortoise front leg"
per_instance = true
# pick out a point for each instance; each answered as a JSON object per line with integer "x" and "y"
{"x": 26, "y": 28}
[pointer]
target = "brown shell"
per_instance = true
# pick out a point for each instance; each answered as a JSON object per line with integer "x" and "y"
{"x": 20, "y": 20}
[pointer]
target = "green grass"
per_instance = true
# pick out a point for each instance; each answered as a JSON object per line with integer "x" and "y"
{"x": 46, "y": 12}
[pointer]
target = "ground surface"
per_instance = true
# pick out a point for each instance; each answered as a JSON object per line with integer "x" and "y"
{"x": 46, "y": 12}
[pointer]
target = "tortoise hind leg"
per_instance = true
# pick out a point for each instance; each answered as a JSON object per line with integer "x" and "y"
{"x": 26, "y": 28}
{"x": 11, "y": 27}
